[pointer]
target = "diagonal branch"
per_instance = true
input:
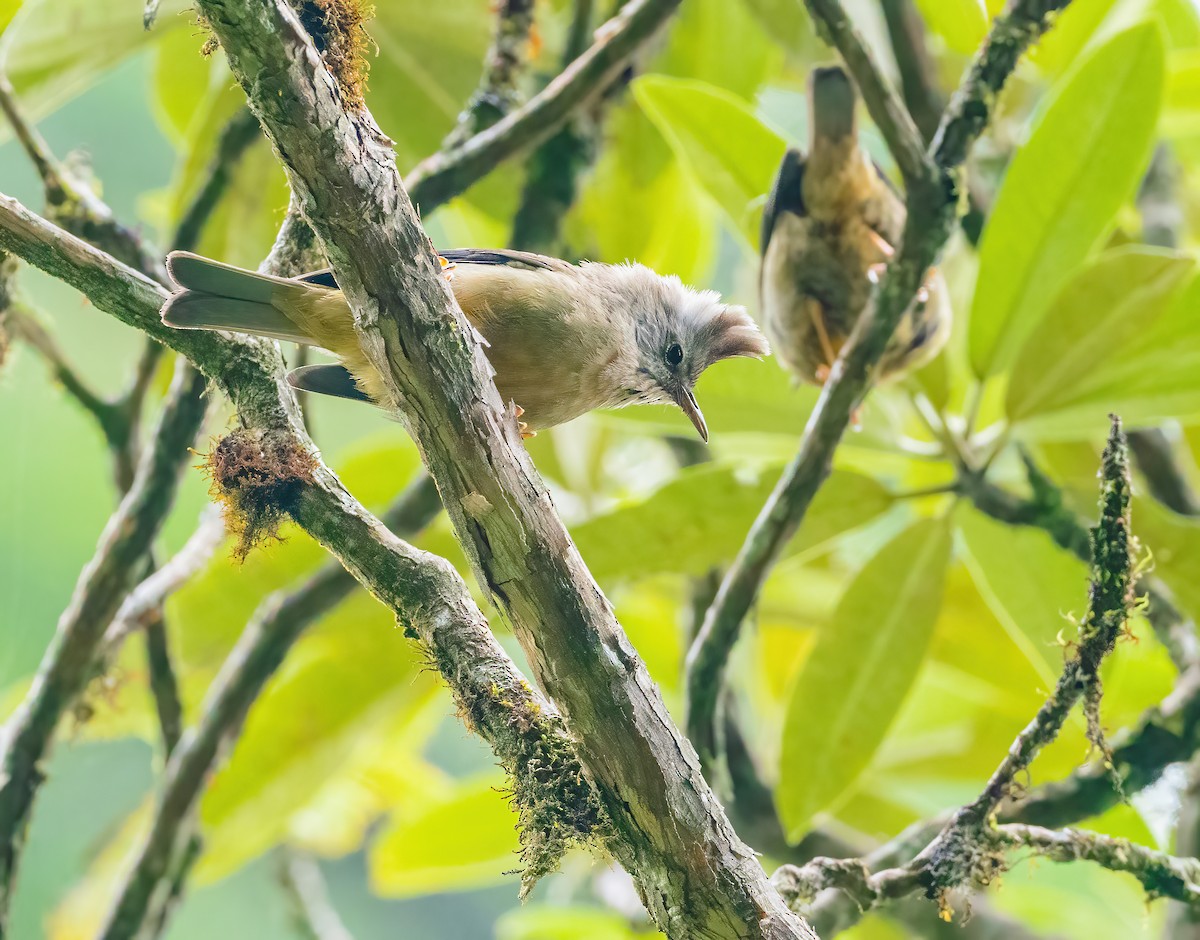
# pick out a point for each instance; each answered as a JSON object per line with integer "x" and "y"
{"x": 448, "y": 173}
{"x": 503, "y": 64}
{"x": 933, "y": 204}
{"x": 68, "y": 663}
{"x": 695, "y": 876}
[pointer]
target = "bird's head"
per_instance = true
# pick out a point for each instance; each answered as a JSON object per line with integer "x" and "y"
{"x": 677, "y": 333}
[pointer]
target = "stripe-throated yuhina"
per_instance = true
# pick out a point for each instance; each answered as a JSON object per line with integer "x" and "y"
{"x": 563, "y": 339}
{"x": 828, "y": 231}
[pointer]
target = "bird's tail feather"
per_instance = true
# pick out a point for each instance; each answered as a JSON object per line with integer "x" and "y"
{"x": 223, "y": 297}
{"x": 832, "y": 99}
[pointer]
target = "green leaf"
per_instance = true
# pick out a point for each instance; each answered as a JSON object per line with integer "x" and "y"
{"x": 699, "y": 519}
{"x": 1030, "y": 583}
{"x": 1097, "y": 316}
{"x": 1151, "y": 378}
{"x": 565, "y": 923}
{"x": 737, "y": 396}
{"x": 467, "y": 841}
{"x": 1059, "y": 198}
{"x": 731, "y": 153}
{"x": 665, "y": 221}
{"x": 55, "y": 49}
{"x": 720, "y": 42}
{"x": 860, "y": 672}
{"x": 961, "y": 23}
{"x": 428, "y": 64}
{"x": 1181, "y": 104}
{"x": 786, "y": 22}
{"x": 340, "y": 693}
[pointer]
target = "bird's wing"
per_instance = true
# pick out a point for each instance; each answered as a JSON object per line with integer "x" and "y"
{"x": 505, "y": 257}
{"x": 785, "y": 196}
{"x": 501, "y": 256}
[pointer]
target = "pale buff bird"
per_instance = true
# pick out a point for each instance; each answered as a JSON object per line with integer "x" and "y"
{"x": 828, "y": 230}
{"x": 563, "y": 339}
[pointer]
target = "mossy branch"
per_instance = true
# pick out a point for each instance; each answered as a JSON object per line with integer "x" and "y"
{"x": 964, "y": 851}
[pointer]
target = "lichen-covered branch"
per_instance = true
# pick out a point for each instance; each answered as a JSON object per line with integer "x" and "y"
{"x": 933, "y": 202}
{"x": 448, "y": 173}
{"x": 963, "y": 851}
{"x": 695, "y": 876}
{"x": 1046, "y": 510}
{"x": 1162, "y": 875}
{"x": 68, "y": 663}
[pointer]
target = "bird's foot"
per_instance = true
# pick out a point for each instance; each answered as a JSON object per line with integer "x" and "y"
{"x": 822, "y": 374}
{"x": 522, "y": 426}
{"x": 875, "y": 272}
{"x": 447, "y": 268}
{"x": 885, "y": 248}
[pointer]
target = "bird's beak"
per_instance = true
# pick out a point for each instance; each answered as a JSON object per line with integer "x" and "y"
{"x": 687, "y": 404}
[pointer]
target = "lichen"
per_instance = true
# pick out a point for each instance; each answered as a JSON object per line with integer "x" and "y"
{"x": 338, "y": 30}
{"x": 257, "y": 476}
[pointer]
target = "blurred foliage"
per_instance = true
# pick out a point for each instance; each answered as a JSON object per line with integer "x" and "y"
{"x": 923, "y": 633}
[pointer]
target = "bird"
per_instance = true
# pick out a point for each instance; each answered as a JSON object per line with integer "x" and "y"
{"x": 829, "y": 228}
{"x": 563, "y": 339}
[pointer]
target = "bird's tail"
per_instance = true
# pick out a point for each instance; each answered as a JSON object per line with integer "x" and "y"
{"x": 832, "y": 101}
{"x": 221, "y": 297}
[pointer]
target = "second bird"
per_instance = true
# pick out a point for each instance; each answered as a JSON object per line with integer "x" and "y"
{"x": 563, "y": 338}
{"x": 829, "y": 229}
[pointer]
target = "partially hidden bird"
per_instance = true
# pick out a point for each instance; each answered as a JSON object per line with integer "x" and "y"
{"x": 830, "y": 226}
{"x": 563, "y": 339}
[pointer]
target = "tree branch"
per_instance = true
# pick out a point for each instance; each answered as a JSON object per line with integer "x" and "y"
{"x": 1047, "y": 511}
{"x": 449, "y": 173}
{"x": 313, "y": 914}
{"x": 932, "y": 204}
{"x": 432, "y": 603}
{"x": 68, "y": 663}
{"x": 884, "y": 105}
{"x": 694, "y": 874}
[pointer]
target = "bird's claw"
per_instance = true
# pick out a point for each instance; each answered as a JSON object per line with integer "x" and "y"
{"x": 875, "y": 272}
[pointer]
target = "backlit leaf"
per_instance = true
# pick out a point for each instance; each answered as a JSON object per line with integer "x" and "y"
{"x": 727, "y": 148}
{"x": 860, "y": 672}
{"x": 1059, "y": 197}
{"x": 1097, "y": 316}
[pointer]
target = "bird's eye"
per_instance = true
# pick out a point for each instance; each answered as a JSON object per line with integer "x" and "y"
{"x": 674, "y": 354}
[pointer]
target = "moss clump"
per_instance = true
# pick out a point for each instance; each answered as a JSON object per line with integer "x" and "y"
{"x": 257, "y": 476}
{"x": 556, "y": 804}
{"x": 338, "y": 30}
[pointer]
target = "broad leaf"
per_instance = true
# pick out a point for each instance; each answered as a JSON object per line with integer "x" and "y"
{"x": 565, "y": 923}
{"x": 730, "y": 152}
{"x": 1059, "y": 198}
{"x": 339, "y": 693}
{"x": 860, "y": 672}
{"x": 1032, "y": 586}
{"x": 961, "y": 23}
{"x": 1095, "y": 318}
{"x": 467, "y": 841}
{"x": 55, "y": 49}
{"x": 699, "y": 520}
{"x": 720, "y": 42}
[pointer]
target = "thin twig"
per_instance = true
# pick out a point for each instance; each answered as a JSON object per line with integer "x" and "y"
{"x": 932, "y": 210}
{"x": 68, "y": 663}
{"x": 446, "y": 174}
{"x": 313, "y": 914}
{"x": 1162, "y": 875}
{"x": 148, "y": 596}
